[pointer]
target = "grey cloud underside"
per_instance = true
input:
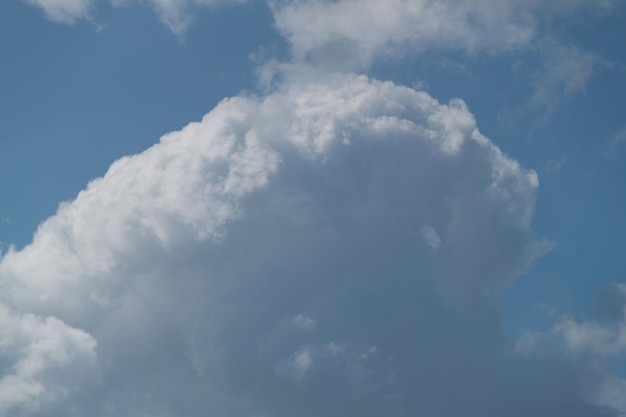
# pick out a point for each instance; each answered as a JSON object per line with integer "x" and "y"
{"x": 270, "y": 260}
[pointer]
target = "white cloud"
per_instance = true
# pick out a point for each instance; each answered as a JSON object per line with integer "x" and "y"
{"x": 310, "y": 359}
{"x": 431, "y": 237}
{"x": 174, "y": 14}
{"x": 604, "y": 335}
{"x": 303, "y": 322}
{"x": 592, "y": 337}
{"x": 357, "y": 31}
{"x": 64, "y": 11}
{"x": 599, "y": 340}
{"x": 352, "y": 33}
{"x": 297, "y": 364}
{"x": 32, "y": 348}
{"x": 611, "y": 393}
{"x": 191, "y": 185}
{"x": 185, "y": 189}
{"x": 185, "y": 263}
{"x": 177, "y": 15}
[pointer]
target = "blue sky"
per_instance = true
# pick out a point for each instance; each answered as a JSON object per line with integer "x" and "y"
{"x": 397, "y": 208}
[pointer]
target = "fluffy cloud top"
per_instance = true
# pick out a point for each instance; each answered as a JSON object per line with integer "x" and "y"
{"x": 270, "y": 260}
{"x": 33, "y": 349}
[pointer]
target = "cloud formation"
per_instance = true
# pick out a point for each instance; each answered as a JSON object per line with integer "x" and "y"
{"x": 269, "y": 260}
{"x": 332, "y": 248}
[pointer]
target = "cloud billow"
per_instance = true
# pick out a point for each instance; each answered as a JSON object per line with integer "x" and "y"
{"x": 270, "y": 260}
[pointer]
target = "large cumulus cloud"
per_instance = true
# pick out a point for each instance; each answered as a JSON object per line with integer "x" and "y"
{"x": 330, "y": 249}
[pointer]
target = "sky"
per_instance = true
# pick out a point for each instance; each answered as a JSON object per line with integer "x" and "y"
{"x": 278, "y": 208}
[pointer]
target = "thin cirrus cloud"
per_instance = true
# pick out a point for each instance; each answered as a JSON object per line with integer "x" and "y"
{"x": 264, "y": 261}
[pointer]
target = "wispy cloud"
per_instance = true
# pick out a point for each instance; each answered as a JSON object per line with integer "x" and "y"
{"x": 176, "y": 15}
{"x": 64, "y": 11}
{"x": 554, "y": 166}
{"x": 615, "y": 143}
{"x": 566, "y": 71}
